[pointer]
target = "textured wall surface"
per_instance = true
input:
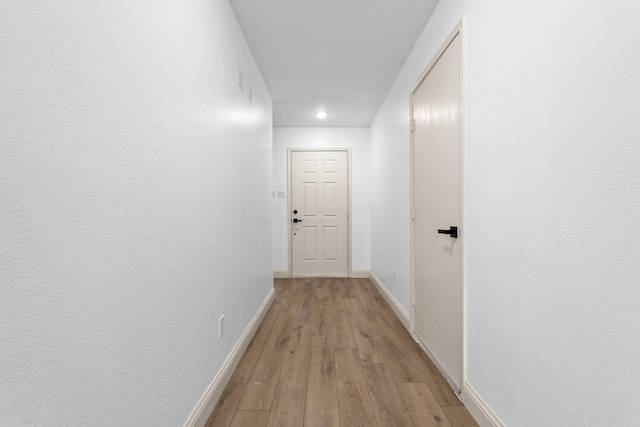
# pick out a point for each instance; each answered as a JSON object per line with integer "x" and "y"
{"x": 390, "y": 196}
{"x": 358, "y": 139}
{"x": 135, "y": 192}
{"x": 553, "y": 199}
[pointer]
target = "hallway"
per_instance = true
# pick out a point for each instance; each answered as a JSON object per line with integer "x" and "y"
{"x": 144, "y": 196}
{"x": 332, "y": 352}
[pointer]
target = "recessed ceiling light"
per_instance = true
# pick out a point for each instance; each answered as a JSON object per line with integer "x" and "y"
{"x": 322, "y": 114}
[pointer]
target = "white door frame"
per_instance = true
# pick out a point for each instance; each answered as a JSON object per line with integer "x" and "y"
{"x": 289, "y": 207}
{"x": 459, "y": 29}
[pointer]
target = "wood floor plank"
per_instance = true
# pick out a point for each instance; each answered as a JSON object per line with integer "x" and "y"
{"x": 327, "y": 283}
{"x": 322, "y": 290}
{"x": 388, "y": 405}
{"x": 323, "y": 285}
{"x": 348, "y": 289}
{"x": 416, "y": 354}
{"x": 321, "y": 407}
{"x": 429, "y": 372}
{"x": 258, "y": 394}
{"x": 336, "y": 290}
{"x": 304, "y": 311}
{"x": 399, "y": 362}
{"x": 393, "y": 328}
{"x": 243, "y": 372}
{"x": 353, "y": 394}
{"x": 226, "y": 407}
{"x": 321, "y": 314}
{"x": 423, "y": 406}
{"x": 382, "y": 328}
{"x": 285, "y": 292}
{"x": 337, "y": 301}
{"x": 384, "y": 306}
{"x": 459, "y": 416}
{"x": 341, "y": 329}
{"x": 249, "y": 419}
{"x": 422, "y": 361}
{"x": 363, "y": 333}
{"x": 367, "y": 292}
{"x": 289, "y": 399}
{"x": 442, "y": 390}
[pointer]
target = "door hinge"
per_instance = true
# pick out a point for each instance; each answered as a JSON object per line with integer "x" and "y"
{"x": 413, "y": 212}
{"x": 413, "y": 125}
{"x": 413, "y": 300}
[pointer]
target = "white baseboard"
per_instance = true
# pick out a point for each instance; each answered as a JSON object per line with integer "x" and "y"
{"x": 281, "y": 274}
{"x": 391, "y": 300}
{"x": 359, "y": 274}
{"x": 356, "y": 274}
{"x": 479, "y": 409}
{"x": 203, "y": 409}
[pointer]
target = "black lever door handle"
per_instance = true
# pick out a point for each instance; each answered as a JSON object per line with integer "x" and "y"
{"x": 294, "y": 220}
{"x": 453, "y": 231}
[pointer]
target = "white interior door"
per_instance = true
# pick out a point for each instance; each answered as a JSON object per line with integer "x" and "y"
{"x": 437, "y": 268}
{"x": 319, "y": 213}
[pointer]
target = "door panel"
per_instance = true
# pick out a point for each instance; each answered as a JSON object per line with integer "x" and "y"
{"x": 310, "y": 196}
{"x": 330, "y": 243}
{"x": 437, "y": 193}
{"x": 330, "y": 199}
{"x": 319, "y": 192}
{"x": 310, "y": 242}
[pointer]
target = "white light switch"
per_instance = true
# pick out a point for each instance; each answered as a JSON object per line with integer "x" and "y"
{"x": 282, "y": 195}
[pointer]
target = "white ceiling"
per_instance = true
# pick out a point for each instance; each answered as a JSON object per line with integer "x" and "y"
{"x": 335, "y": 55}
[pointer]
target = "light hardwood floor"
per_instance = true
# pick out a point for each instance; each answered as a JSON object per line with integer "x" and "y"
{"x": 331, "y": 352}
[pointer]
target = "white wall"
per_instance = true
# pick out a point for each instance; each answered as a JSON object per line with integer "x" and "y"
{"x": 358, "y": 139}
{"x": 390, "y": 200}
{"x": 135, "y": 177}
{"x": 553, "y": 201}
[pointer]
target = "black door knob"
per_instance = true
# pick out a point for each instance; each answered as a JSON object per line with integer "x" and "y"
{"x": 453, "y": 231}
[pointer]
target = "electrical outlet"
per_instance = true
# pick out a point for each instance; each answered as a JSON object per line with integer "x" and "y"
{"x": 394, "y": 277}
{"x": 221, "y": 327}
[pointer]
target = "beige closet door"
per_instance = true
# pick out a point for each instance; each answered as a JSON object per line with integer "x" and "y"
{"x": 437, "y": 269}
{"x": 319, "y": 213}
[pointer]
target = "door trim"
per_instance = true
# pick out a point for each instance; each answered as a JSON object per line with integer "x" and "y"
{"x": 289, "y": 217}
{"x": 459, "y": 29}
